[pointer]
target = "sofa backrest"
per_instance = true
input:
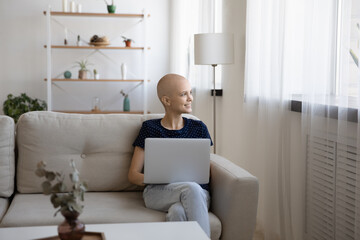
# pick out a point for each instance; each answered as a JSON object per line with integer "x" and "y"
{"x": 7, "y": 156}
{"x": 100, "y": 145}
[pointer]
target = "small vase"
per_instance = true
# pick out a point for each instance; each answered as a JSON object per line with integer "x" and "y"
{"x": 111, "y": 8}
{"x": 71, "y": 228}
{"x": 123, "y": 71}
{"x": 126, "y": 104}
{"x": 96, "y": 104}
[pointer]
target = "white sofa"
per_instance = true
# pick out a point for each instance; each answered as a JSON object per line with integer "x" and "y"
{"x": 101, "y": 146}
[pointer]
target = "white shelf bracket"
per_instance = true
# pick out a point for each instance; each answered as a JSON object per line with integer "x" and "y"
{"x": 48, "y": 53}
{"x": 145, "y": 62}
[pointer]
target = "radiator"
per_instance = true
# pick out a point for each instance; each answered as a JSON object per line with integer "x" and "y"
{"x": 332, "y": 189}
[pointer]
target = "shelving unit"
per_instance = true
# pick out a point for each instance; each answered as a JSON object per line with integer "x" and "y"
{"x": 94, "y": 80}
{"x": 49, "y": 14}
{"x": 101, "y": 112}
{"x": 121, "y": 15}
{"x": 92, "y": 47}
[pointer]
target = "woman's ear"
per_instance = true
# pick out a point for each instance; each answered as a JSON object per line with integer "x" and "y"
{"x": 165, "y": 100}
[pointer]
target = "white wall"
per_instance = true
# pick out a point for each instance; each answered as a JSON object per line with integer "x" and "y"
{"x": 23, "y": 57}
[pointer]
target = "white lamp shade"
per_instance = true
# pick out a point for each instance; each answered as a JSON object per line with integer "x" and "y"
{"x": 214, "y": 48}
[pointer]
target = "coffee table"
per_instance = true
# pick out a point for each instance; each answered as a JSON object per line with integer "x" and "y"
{"x": 130, "y": 231}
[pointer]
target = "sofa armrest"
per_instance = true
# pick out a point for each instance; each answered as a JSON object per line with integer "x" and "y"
{"x": 234, "y": 198}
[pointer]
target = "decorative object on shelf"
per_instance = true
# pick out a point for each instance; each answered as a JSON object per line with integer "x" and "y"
{"x": 67, "y": 74}
{"x": 83, "y": 64}
{"x": 66, "y": 36}
{"x": 110, "y": 7}
{"x": 79, "y": 8}
{"x": 123, "y": 71}
{"x": 66, "y": 202}
{"x": 73, "y": 6}
{"x": 65, "y": 5}
{"x": 96, "y": 105}
{"x": 15, "y": 106}
{"x": 126, "y": 104}
{"x": 78, "y": 41}
{"x": 99, "y": 41}
{"x": 127, "y": 41}
{"x": 213, "y": 49}
{"x": 96, "y": 75}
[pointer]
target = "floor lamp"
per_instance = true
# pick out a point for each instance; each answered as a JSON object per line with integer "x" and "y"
{"x": 213, "y": 49}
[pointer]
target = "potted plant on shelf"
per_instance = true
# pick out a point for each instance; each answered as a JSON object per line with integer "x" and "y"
{"x": 110, "y": 7}
{"x": 96, "y": 75}
{"x": 66, "y": 202}
{"x": 15, "y": 106}
{"x": 83, "y": 64}
{"x": 127, "y": 41}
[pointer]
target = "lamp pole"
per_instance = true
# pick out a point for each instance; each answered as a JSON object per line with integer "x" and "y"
{"x": 214, "y": 107}
{"x": 208, "y": 52}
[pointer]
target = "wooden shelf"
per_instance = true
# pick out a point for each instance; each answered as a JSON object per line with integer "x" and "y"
{"x": 92, "y": 47}
{"x": 94, "y": 80}
{"x": 111, "y": 15}
{"x": 101, "y": 112}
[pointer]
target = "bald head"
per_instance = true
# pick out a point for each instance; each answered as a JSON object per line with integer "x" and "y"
{"x": 169, "y": 84}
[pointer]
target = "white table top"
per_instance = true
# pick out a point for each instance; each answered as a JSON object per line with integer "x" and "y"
{"x": 129, "y": 231}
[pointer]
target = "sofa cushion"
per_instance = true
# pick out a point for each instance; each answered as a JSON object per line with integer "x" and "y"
{"x": 4, "y": 204}
{"x": 100, "y": 145}
{"x": 106, "y": 207}
{"x": 7, "y": 160}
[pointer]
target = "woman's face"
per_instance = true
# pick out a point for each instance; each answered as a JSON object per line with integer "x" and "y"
{"x": 181, "y": 97}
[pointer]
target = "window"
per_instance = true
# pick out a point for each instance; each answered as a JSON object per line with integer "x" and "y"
{"x": 348, "y": 66}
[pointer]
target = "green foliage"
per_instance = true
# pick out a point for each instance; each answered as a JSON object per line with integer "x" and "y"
{"x": 354, "y": 57}
{"x": 15, "y": 106}
{"x": 127, "y": 39}
{"x": 112, "y": 2}
{"x": 61, "y": 199}
{"x": 83, "y": 64}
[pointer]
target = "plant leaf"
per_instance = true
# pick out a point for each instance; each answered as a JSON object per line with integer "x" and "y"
{"x": 50, "y": 176}
{"x": 46, "y": 186}
{"x": 55, "y": 200}
{"x": 40, "y": 172}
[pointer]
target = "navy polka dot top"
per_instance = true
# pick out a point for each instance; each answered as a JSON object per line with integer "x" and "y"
{"x": 153, "y": 129}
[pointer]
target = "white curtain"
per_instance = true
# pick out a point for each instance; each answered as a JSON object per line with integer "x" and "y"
{"x": 266, "y": 105}
{"x": 291, "y": 54}
{"x": 189, "y": 17}
{"x": 331, "y": 122}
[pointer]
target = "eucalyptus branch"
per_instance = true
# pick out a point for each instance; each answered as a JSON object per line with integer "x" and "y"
{"x": 62, "y": 199}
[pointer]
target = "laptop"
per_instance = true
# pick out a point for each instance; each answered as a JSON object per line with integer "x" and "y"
{"x": 169, "y": 160}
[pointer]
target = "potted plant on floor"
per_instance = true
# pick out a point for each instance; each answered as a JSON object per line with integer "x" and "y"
{"x": 15, "y": 106}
